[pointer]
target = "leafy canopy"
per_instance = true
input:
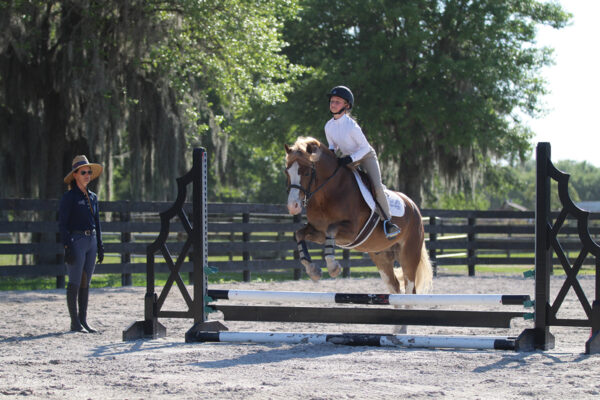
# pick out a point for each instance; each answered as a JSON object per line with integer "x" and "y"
{"x": 439, "y": 85}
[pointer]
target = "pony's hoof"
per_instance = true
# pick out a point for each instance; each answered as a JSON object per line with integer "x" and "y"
{"x": 334, "y": 270}
{"x": 313, "y": 271}
{"x": 400, "y": 329}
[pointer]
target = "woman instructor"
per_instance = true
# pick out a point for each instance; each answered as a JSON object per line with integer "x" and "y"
{"x": 79, "y": 225}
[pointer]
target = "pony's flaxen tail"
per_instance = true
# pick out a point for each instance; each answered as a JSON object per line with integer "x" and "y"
{"x": 424, "y": 275}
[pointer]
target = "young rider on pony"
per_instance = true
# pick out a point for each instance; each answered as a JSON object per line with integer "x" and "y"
{"x": 344, "y": 134}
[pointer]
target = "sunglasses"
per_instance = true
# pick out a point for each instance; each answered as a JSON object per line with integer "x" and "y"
{"x": 85, "y": 172}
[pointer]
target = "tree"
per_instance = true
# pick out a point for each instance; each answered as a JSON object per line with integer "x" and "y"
{"x": 438, "y": 84}
{"x": 517, "y": 184}
{"x": 133, "y": 85}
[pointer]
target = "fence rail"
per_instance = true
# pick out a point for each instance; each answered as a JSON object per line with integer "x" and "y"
{"x": 256, "y": 237}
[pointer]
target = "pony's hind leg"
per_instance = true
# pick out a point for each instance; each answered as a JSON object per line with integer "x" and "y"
{"x": 416, "y": 267}
{"x": 391, "y": 277}
{"x": 333, "y": 266}
{"x": 384, "y": 260}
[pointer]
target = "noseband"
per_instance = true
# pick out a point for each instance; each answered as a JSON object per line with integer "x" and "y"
{"x": 313, "y": 176}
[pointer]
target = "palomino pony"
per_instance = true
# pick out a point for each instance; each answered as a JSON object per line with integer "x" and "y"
{"x": 337, "y": 213}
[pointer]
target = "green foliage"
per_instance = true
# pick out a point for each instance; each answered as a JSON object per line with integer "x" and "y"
{"x": 133, "y": 84}
{"x": 460, "y": 201}
{"x": 516, "y": 184}
{"x": 585, "y": 179}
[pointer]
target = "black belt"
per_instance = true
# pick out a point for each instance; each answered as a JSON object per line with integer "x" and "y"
{"x": 86, "y": 233}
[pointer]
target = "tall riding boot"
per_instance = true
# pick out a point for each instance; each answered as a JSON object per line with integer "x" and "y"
{"x": 72, "y": 305}
{"x": 84, "y": 294}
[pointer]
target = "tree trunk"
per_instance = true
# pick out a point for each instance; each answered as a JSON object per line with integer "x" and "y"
{"x": 410, "y": 179}
{"x": 53, "y": 145}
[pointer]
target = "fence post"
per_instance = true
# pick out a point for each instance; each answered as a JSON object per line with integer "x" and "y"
{"x": 297, "y": 270}
{"x": 432, "y": 239}
{"x": 125, "y": 216}
{"x": 508, "y": 253}
{"x": 471, "y": 244}
{"x": 246, "y": 254}
{"x": 60, "y": 260}
{"x": 281, "y": 254}
{"x": 346, "y": 263}
{"x": 231, "y": 239}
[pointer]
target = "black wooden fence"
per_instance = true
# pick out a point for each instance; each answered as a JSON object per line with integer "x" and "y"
{"x": 255, "y": 237}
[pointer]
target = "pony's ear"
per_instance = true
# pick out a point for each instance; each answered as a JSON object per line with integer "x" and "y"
{"x": 287, "y": 148}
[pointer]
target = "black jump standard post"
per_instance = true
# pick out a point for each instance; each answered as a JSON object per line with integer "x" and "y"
{"x": 547, "y": 243}
{"x": 197, "y": 241}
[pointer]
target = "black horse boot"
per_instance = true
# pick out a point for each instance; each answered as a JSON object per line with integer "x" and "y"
{"x": 84, "y": 294}
{"x": 72, "y": 305}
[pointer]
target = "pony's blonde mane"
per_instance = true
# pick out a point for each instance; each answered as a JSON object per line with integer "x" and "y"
{"x": 300, "y": 150}
{"x": 303, "y": 141}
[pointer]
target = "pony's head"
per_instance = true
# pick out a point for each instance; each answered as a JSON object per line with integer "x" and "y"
{"x": 300, "y": 161}
{"x": 306, "y": 151}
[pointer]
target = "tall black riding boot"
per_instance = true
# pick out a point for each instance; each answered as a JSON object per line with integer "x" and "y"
{"x": 84, "y": 294}
{"x": 72, "y": 305}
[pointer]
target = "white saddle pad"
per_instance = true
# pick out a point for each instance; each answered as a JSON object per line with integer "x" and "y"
{"x": 396, "y": 203}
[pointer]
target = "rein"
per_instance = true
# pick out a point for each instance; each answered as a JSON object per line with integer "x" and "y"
{"x": 313, "y": 175}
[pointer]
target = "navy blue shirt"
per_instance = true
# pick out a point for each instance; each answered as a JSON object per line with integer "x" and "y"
{"x": 74, "y": 214}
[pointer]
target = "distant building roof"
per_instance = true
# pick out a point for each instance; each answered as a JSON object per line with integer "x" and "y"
{"x": 591, "y": 206}
{"x": 509, "y": 205}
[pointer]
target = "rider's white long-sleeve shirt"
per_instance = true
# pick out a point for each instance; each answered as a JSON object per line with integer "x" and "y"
{"x": 345, "y": 135}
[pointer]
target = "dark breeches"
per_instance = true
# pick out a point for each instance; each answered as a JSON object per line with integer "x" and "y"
{"x": 84, "y": 250}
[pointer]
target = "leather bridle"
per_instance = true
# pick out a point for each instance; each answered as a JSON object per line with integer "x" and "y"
{"x": 313, "y": 177}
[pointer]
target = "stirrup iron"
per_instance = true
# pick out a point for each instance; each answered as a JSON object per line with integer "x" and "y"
{"x": 393, "y": 234}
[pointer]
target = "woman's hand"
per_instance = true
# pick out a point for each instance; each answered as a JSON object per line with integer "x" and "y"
{"x": 100, "y": 253}
{"x": 69, "y": 256}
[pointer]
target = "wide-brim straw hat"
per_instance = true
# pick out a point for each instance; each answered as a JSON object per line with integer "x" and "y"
{"x": 82, "y": 161}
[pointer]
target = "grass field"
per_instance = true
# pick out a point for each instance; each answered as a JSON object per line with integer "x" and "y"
{"x": 114, "y": 280}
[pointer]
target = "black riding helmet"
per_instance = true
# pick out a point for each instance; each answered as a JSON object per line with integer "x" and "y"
{"x": 344, "y": 93}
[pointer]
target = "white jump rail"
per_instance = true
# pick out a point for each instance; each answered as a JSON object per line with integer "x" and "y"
{"x": 374, "y": 299}
{"x": 357, "y": 339}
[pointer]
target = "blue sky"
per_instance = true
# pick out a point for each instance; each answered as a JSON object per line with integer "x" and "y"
{"x": 571, "y": 122}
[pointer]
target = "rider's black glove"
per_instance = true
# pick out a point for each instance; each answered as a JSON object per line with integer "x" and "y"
{"x": 100, "y": 253}
{"x": 344, "y": 161}
{"x": 69, "y": 256}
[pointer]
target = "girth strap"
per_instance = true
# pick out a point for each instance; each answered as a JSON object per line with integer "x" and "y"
{"x": 365, "y": 232}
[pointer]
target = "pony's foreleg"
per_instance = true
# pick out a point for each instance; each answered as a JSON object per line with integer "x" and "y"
{"x": 309, "y": 233}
